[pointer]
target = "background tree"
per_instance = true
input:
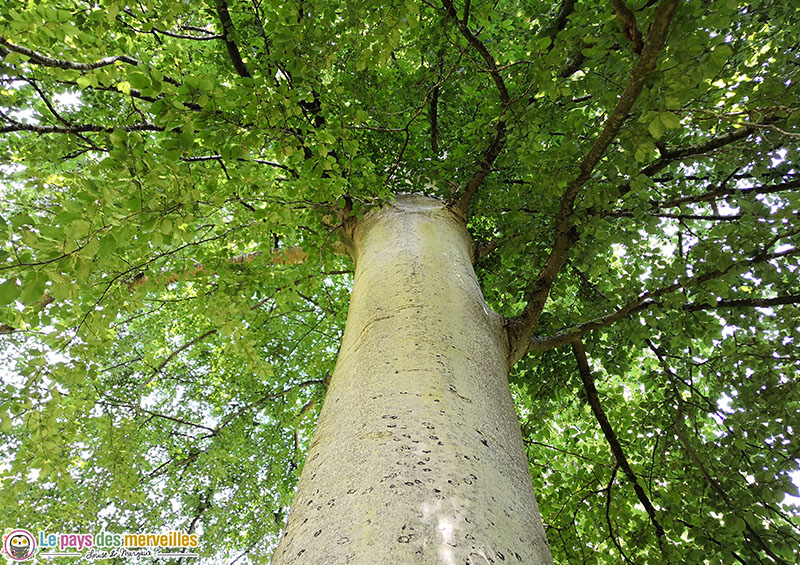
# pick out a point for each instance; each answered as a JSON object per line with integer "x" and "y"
{"x": 175, "y": 176}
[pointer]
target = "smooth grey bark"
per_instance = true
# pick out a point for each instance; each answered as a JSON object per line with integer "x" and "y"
{"x": 417, "y": 456}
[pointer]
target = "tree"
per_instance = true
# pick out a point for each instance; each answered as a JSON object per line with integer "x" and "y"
{"x": 183, "y": 184}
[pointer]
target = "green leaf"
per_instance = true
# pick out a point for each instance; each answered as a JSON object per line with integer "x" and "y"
{"x": 656, "y": 128}
{"x": 138, "y": 80}
{"x": 721, "y": 54}
{"x": 670, "y": 120}
{"x": 9, "y": 292}
{"x": 32, "y": 289}
{"x": 118, "y": 136}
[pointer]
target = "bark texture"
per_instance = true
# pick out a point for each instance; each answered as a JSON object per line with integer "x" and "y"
{"x": 417, "y": 457}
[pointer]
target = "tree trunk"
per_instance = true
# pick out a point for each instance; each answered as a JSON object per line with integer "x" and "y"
{"x": 417, "y": 456}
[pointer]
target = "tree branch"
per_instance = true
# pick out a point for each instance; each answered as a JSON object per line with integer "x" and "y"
{"x": 745, "y": 303}
{"x": 47, "y": 102}
{"x": 135, "y": 93}
{"x": 481, "y": 250}
{"x": 107, "y": 400}
{"x": 705, "y": 217}
{"x": 230, "y": 32}
{"x": 255, "y": 404}
{"x": 564, "y": 10}
{"x": 280, "y": 256}
{"x": 611, "y": 437}
{"x": 45, "y": 61}
{"x": 647, "y": 299}
{"x": 172, "y": 355}
{"x": 568, "y": 336}
{"x": 411, "y": 120}
{"x": 184, "y": 36}
{"x": 461, "y": 204}
{"x": 465, "y": 17}
{"x": 208, "y": 35}
{"x": 627, "y": 24}
{"x": 709, "y": 479}
{"x": 433, "y": 115}
{"x": 585, "y": 280}
{"x": 218, "y": 158}
{"x": 56, "y": 114}
{"x": 521, "y": 329}
{"x": 573, "y": 65}
{"x": 714, "y": 194}
{"x": 198, "y": 29}
{"x": 669, "y": 156}
{"x": 611, "y": 532}
{"x": 75, "y": 129}
{"x": 482, "y": 50}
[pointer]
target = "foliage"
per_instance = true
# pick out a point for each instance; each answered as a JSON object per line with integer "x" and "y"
{"x": 160, "y": 159}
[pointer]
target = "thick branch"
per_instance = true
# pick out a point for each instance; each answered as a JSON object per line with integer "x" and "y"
{"x": 627, "y": 24}
{"x": 611, "y": 437}
{"x": 564, "y": 10}
{"x": 461, "y": 205}
{"x": 75, "y": 129}
{"x": 230, "y": 32}
{"x": 40, "y": 59}
{"x": 46, "y": 61}
{"x": 522, "y": 328}
{"x": 434, "y": 119}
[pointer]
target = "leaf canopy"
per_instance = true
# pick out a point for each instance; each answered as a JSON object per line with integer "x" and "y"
{"x": 173, "y": 292}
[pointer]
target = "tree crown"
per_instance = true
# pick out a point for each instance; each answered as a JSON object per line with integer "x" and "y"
{"x": 175, "y": 177}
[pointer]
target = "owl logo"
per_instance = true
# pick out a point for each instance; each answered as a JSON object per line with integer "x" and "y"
{"x": 19, "y": 545}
